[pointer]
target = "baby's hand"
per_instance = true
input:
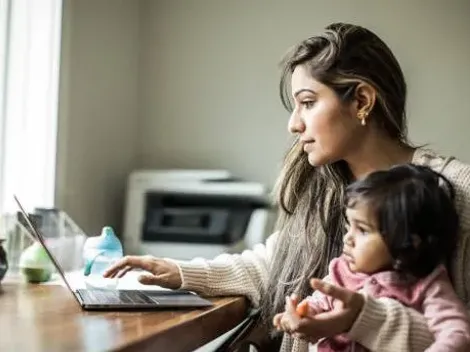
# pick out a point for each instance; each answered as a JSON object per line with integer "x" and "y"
{"x": 287, "y": 320}
{"x": 291, "y": 321}
{"x": 325, "y": 323}
{"x": 304, "y": 309}
{"x": 277, "y": 320}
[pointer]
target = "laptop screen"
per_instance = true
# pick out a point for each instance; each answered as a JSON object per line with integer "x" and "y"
{"x": 41, "y": 240}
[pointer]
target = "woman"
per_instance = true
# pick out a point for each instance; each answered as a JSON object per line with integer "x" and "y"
{"x": 347, "y": 94}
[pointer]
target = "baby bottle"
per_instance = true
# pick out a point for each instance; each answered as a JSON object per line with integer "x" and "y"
{"x": 99, "y": 253}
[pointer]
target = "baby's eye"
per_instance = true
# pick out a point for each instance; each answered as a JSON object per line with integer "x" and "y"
{"x": 362, "y": 231}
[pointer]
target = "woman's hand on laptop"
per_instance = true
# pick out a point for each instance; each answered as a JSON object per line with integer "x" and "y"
{"x": 160, "y": 272}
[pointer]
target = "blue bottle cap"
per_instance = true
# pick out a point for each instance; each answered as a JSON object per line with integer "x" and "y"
{"x": 107, "y": 242}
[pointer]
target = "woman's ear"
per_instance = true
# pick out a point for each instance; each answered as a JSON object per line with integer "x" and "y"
{"x": 365, "y": 96}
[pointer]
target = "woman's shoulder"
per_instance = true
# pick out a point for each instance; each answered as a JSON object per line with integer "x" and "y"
{"x": 456, "y": 171}
{"x": 452, "y": 168}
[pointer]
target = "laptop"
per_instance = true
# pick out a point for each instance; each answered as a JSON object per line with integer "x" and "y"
{"x": 105, "y": 299}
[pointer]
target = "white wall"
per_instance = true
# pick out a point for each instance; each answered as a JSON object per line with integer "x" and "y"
{"x": 180, "y": 83}
{"x": 99, "y": 118}
{"x": 211, "y": 75}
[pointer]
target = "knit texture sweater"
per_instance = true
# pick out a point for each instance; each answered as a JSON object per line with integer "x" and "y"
{"x": 383, "y": 324}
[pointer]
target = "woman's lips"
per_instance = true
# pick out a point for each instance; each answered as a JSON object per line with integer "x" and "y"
{"x": 308, "y": 145}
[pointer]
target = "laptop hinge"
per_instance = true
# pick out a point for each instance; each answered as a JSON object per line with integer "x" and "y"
{"x": 79, "y": 297}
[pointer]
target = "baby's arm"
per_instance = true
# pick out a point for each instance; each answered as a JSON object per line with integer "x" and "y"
{"x": 446, "y": 316}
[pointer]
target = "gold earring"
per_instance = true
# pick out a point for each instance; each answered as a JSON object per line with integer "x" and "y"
{"x": 362, "y": 115}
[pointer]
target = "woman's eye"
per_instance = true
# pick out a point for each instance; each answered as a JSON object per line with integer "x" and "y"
{"x": 308, "y": 104}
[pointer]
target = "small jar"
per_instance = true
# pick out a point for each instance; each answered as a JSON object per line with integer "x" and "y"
{"x": 35, "y": 265}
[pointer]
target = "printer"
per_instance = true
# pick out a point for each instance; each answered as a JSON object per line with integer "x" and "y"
{"x": 183, "y": 214}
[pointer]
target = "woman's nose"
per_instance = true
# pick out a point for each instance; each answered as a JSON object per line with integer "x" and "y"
{"x": 295, "y": 125}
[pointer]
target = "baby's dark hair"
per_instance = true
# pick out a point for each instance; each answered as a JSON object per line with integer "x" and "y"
{"x": 415, "y": 214}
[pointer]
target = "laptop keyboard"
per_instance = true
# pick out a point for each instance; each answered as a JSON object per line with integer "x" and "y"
{"x": 114, "y": 297}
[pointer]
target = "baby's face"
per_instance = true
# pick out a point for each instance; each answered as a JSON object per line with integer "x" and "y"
{"x": 364, "y": 247}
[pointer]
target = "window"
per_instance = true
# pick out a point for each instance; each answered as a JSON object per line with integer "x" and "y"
{"x": 30, "y": 32}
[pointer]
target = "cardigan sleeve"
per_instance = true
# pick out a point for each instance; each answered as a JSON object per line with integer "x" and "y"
{"x": 230, "y": 274}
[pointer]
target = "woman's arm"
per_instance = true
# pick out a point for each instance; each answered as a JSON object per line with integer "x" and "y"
{"x": 384, "y": 325}
{"x": 230, "y": 274}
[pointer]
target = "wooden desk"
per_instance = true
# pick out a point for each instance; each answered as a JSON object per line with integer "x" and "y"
{"x": 47, "y": 318}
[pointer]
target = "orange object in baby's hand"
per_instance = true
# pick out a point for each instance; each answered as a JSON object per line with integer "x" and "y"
{"x": 302, "y": 308}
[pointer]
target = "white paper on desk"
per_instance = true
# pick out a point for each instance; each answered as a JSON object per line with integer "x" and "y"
{"x": 76, "y": 280}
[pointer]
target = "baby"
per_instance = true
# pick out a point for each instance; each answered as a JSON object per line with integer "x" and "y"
{"x": 402, "y": 231}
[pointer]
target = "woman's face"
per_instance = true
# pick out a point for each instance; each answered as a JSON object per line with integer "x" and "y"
{"x": 327, "y": 128}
